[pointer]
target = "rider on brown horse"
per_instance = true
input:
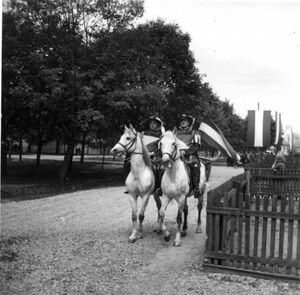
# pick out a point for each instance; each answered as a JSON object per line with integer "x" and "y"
{"x": 188, "y": 132}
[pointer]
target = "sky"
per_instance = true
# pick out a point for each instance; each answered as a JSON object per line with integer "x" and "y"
{"x": 248, "y": 50}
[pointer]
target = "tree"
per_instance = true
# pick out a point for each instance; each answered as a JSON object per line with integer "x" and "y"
{"x": 58, "y": 34}
{"x": 78, "y": 69}
{"x": 152, "y": 58}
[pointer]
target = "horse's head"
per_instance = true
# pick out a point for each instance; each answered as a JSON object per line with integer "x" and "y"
{"x": 127, "y": 142}
{"x": 168, "y": 147}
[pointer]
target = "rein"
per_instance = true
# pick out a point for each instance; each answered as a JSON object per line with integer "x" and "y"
{"x": 173, "y": 155}
{"x": 129, "y": 145}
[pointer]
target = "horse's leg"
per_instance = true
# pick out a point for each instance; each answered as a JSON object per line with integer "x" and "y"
{"x": 199, "y": 206}
{"x": 158, "y": 205}
{"x": 207, "y": 170}
{"x": 185, "y": 215}
{"x": 181, "y": 204}
{"x": 145, "y": 200}
{"x": 133, "y": 201}
{"x": 165, "y": 203}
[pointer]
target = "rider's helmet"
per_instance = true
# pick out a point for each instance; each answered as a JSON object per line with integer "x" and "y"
{"x": 154, "y": 123}
{"x": 183, "y": 117}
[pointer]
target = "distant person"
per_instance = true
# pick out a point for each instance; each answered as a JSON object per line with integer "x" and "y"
{"x": 244, "y": 159}
{"x": 279, "y": 163}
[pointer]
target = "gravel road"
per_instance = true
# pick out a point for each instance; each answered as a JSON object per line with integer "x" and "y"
{"x": 77, "y": 244}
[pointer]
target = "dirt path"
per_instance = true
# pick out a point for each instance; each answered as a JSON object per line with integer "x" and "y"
{"x": 77, "y": 244}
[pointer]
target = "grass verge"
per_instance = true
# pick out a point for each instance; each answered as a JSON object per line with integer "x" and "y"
{"x": 24, "y": 181}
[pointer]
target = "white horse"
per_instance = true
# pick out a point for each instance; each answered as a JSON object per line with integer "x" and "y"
{"x": 176, "y": 184}
{"x": 140, "y": 181}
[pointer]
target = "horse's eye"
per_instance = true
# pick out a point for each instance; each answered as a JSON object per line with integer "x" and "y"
{"x": 128, "y": 138}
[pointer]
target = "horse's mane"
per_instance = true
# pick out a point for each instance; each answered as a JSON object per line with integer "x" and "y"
{"x": 169, "y": 134}
{"x": 146, "y": 156}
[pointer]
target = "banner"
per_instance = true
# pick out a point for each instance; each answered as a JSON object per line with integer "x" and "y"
{"x": 150, "y": 142}
{"x": 288, "y": 139}
{"x": 278, "y": 129}
{"x": 259, "y": 129}
{"x": 212, "y": 134}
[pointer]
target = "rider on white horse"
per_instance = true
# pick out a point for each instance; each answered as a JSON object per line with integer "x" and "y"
{"x": 153, "y": 128}
{"x": 153, "y": 131}
{"x": 188, "y": 132}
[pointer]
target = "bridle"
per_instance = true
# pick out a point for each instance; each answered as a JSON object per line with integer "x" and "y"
{"x": 173, "y": 154}
{"x": 128, "y": 146}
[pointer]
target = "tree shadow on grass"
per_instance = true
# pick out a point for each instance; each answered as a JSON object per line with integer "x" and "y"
{"x": 25, "y": 182}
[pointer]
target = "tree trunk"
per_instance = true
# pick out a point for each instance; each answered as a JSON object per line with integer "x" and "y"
{"x": 57, "y": 147}
{"x": 10, "y": 150}
{"x": 39, "y": 152}
{"x": 103, "y": 157}
{"x": 20, "y": 148}
{"x": 67, "y": 159}
{"x": 70, "y": 164}
{"x": 3, "y": 150}
{"x": 82, "y": 148}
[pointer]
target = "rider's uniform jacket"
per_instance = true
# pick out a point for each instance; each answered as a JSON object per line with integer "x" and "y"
{"x": 152, "y": 147}
{"x": 191, "y": 138}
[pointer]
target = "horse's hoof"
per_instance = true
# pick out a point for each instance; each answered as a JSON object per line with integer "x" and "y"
{"x": 183, "y": 233}
{"x": 177, "y": 244}
{"x": 132, "y": 240}
{"x": 167, "y": 238}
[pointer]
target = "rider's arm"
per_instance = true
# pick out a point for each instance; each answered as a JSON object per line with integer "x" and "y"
{"x": 182, "y": 147}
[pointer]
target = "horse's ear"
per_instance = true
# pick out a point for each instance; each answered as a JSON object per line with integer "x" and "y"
{"x": 175, "y": 131}
{"x": 125, "y": 127}
{"x": 163, "y": 130}
{"x": 132, "y": 128}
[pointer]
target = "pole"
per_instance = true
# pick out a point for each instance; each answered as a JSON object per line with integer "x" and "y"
{"x": 103, "y": 157}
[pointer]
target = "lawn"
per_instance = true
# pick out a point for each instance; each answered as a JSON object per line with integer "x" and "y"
{"x": 24, "y": 181}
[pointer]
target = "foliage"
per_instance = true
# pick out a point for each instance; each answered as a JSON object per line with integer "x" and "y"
{"x": 74, "y": 69}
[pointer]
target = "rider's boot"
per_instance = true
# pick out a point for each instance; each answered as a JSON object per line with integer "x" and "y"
{"x": 196, "y": 180}
{"x": 157, "y": 175}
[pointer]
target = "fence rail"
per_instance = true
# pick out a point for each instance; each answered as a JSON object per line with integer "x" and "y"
{"x": 292, "y": 162}
{"x": 265, "y": 181}
{"x": 251, "y": 231}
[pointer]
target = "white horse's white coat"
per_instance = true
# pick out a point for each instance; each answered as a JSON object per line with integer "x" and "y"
{"x": 140, "y": 181}
{"x": 175, "y": 182}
